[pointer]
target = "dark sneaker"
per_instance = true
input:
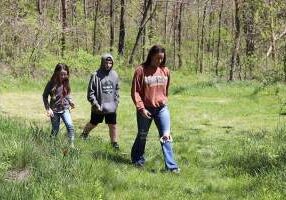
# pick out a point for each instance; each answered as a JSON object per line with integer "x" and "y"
{"x": 115, "y": 145}
{"x": 84, "y": 136}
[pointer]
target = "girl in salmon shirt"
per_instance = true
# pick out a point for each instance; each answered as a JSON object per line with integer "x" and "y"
{"x": 149, "y": 93}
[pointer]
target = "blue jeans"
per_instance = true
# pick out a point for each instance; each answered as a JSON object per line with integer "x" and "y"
{"x": 66, "y": 117}
{"x": 161, "y": 117}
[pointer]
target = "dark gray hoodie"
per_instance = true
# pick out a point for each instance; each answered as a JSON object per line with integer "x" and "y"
{"x": 103, "y": 89}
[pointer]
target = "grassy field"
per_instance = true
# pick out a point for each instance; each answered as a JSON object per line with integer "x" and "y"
{"x": 229, "y": 140}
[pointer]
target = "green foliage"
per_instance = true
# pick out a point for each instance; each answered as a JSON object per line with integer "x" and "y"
{"x": 81, "y": 60}
{"x": 78, "y": 61}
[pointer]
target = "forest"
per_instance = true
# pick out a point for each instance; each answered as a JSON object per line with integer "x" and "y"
{"x": 232, "y": 40}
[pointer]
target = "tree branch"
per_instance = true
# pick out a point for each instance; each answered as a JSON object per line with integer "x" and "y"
{"x": 275, "y": 38}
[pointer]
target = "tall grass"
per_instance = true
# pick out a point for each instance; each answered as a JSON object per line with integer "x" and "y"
{"x": 229, "y": 141}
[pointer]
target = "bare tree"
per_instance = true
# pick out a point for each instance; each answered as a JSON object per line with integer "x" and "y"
{"x": 166, "y": 22}
{"x": 64, "y": 26}
{"x": 235, "y": 51}
{"x": 181, "y": 5}
{"x": 74, "y": 22}
{"x": 85, "y": 2}
{"x": 143, "y": 22}
{"x": 203, "y": 38}
{"x": 121, "y": 42}
{"x": 211, "y": 19}
{"x": 219, "y": 38}
{"x": 284, "y": 61}
{"x": 96, "y": 9}
{"x": 198, "y": 37}
{"x": 248, "y": 26}
{"x": 111, "y": 15}
{"x": 175, "y": 19}
{"x": 272, "y": 49}
{"x": 40, "y": 6}
{"x": 144, "y": 33}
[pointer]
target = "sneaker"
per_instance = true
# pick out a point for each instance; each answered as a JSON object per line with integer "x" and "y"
{"x": 84, "y": 136}
{"x": 175, "y": 171}
{"x": 115, "y": 145}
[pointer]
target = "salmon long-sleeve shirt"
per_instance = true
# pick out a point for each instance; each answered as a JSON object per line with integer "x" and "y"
{"x": 150, "y": 87}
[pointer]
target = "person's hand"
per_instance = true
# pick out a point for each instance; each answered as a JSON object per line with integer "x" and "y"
{"x": 50, "y": 113}
{"x": 72, "y": 105}
{"x": 97, "y": 108}
{"x": 145, "y": 113}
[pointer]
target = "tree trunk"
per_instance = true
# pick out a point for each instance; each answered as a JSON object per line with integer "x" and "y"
{"x": 111, "y": 15}
{"x": 151, "y": 26}
{"x": 64, "y": 26}
{"x": 40, "y": 7}
{"x": 273, "y": 41}
{"x": 144, "y": 35}
{"x": 74, "y": 24}
{"x": 175, "y": 19}
{"x": 249, "y": 12}
{"x": 198, "y": 38}
{"x": 203, "y": 38}
{"x": 284, "y": 61}
{"x": 96, "y": 8}
{"x": 166, "y": 23}
{"x": 211, "y": 19}
{"x": 41, "y": 17}
{"x": 219, "y": 38}
{"x": 180, "y": 35}
{"x": 121, "y": 43}
{"x": 85, "y": 22}
{"x": 235, "y": 51}
{"x": 210, "y": 40}
{"x": 141, "y": 27}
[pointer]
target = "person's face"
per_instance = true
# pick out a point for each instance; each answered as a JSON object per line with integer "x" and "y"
{"x": 157, "y": 59}
{"x": 108, "y": 63}
{"x": 63, "y": 75}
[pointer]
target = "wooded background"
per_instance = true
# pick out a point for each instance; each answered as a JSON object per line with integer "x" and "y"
{"x": 227, "y": 39}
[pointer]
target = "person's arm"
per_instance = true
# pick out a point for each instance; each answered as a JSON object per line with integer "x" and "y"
{"x": 117, "y": 87}
{"x": 45, "y": 95}
{"x": 69, "y": 98}
{"x": 137, "y": 88}
{"x": 168, "y": 83}
{"x": 92, "y": 91}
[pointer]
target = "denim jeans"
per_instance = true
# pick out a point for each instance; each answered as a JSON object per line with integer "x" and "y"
{"x": 161, "y": 117}
{"x": 66, "y": 117}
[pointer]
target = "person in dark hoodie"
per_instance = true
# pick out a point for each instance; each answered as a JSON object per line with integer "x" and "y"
{"x": 103, "y": 95}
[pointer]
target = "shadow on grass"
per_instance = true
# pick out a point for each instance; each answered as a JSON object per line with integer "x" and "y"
{"x": 253, "y": 163}
{"x": 186, "y": 89}
{"x": 282, "y": 113}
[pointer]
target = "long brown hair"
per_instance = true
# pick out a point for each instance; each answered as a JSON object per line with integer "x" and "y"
{"x": 55, "y": 79}
{"x": 152, "y": 52}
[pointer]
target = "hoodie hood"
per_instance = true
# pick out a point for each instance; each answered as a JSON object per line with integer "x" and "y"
{"x": 103, "y": 58}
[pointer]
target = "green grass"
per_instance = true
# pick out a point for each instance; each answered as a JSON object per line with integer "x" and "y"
{"x": 229, "y": 141}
